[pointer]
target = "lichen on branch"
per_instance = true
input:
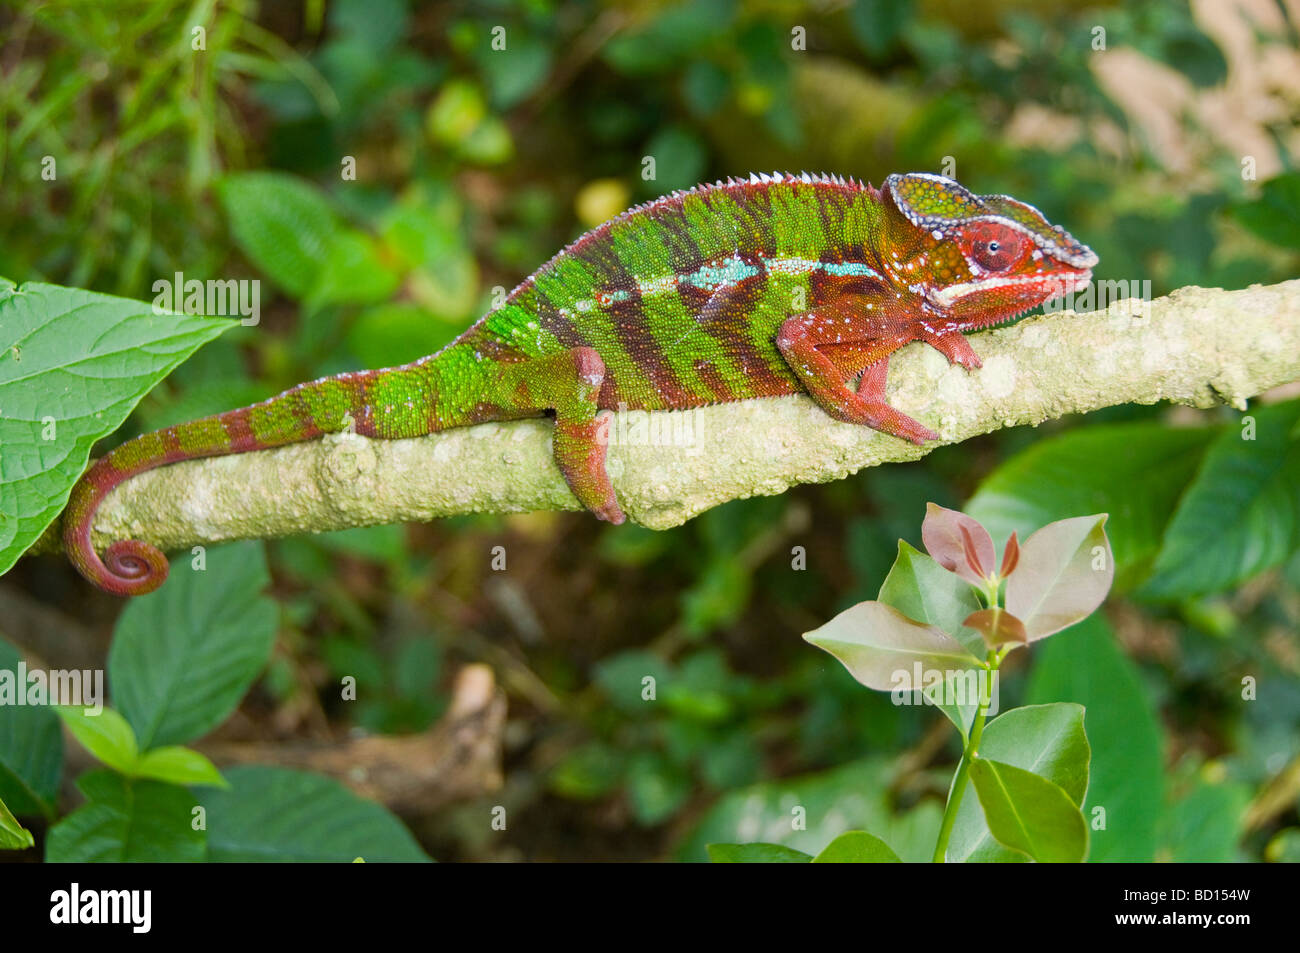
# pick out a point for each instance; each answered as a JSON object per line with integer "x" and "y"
{"x": 1197, "y": 346}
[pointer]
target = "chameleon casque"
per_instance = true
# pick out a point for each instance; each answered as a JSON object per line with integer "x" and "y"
{"x": 758, "y": 287}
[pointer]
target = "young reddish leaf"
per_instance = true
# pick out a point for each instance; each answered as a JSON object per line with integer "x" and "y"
{"x": 972, "y": 557}
{"x": 997, "y": 626}
{"x": 885, "y": 650}
{"x": 957, "y": 542}
{"x": 1066, "y": 569}
{"x": 1010, "y": 556}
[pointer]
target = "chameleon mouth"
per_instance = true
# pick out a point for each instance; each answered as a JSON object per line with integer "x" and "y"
{"x": 1056, "y": 285}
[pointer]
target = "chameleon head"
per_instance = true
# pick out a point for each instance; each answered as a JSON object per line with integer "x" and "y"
{"x": 984, "y": 258}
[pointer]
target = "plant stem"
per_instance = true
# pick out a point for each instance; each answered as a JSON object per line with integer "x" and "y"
{"x": 963, "y": 769}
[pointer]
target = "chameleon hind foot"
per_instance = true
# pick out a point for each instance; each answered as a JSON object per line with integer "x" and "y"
{"x": 568, "y": 383}
{"x": 580, "y": 451}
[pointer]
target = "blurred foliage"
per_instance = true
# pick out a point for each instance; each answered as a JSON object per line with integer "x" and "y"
{"x": 390, "y": 167}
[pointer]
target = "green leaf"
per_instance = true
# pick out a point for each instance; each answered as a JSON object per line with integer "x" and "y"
{"x": 457, "y": 111}
{"x": 912, "y": 833}
{"x": 662, "y": 40}
{"x": 877, "y": 24}
{"x": 921, "y": 589}
{"x": 1085, "y": 665}
{"x": 756, "y": 854}
{"x": 391, "y": 334}
{"x": 377, "y": 25}
{"x": 700, "y": 690}
{"x": 284, "y": 225}
{"x": 730, "y": 761}
{"x": 178, "y": 765}
{"x": 679, "y": 156}
{"x": 958, "y": 698}
{"x": 458, "y": 120}
{"x": 380, "y": 544}
{"x": 275, "y": 814}
{"x": 656, "y": 787}
{"x": 1028, "y": 813}
{"x": 808, "y": 811}
{"x": 127, "y": 821}
{"x": 705, "y": 88}
{"x": 626, "y": 676}
{"x": 1284, "y": 848}
{"x": 1064, "y": 573}
{"x": 1275, "y": 215}
{"x": 424, "y": 235}
{"x": 106, "y": 735}
{"x": 1133, "y": 472}
{"x": 885, "y": 650}
{"x": 517, "y": 71}
{"x": 31, "y": 749}
{"x": 1048, "y": 740}
{"x": 857, "y": 847}
{"x": 720, "y": 593}
{"x": 198, "y": 400}
{"x": 1204, "y": 825}
{"x": 587, "y": 772}
{"x": 354, "y": 272}
{"x": 1194, "y": 54}
{"x": 1240, "y": 516}
{"x": 72, "y": 365}
{"x": 13, "y": 836}
{"x": 183, "y": 656}
{"x": 488, "y": 144}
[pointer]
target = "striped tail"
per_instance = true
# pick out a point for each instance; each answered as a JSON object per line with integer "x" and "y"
{"x": 330, "y": 405}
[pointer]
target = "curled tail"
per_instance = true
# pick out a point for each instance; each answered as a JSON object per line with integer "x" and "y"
{"x": 330, "y": 405}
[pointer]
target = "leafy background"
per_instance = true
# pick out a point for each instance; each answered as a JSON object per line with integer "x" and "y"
{"x": 1171, "y": 151}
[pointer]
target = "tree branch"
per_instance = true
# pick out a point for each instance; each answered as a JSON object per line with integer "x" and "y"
{"x": 1197, "y": 346}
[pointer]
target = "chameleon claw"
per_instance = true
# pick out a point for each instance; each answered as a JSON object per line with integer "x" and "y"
{"x": 925, "y": 434}
{"x": 956, "y": 349}
{"x": 610, "y": 512}
{"x": 908, "y": 429}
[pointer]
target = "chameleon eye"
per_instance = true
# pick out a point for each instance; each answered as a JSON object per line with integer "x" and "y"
{"x": 994, "y": 247}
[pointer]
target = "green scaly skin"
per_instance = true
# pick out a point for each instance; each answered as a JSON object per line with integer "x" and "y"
{"x": 760, "y": 287}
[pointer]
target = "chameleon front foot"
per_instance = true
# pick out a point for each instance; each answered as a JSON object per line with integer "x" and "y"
{"x": 819, "y": 347}
{"x": 954, "y": 346}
